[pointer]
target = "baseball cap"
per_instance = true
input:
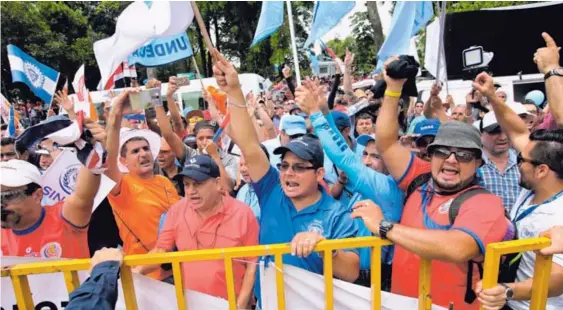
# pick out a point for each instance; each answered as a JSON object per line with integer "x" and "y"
{"x": 17, "y": 172}
{"x": 127, "y": 134}
{"x": 459, "y": 135}
{"x": 293, "y": 125}
{"x": 206, "y": 125}
{"x": 363, "y": 140}
{"x": 489, "y": 122}
{"x": 200, "y": 168}
{"x": 307, "y": 147}
{"x": 427, "y": 127}
{"x": 341, "y": 119}
{"x": 536, "y": 96}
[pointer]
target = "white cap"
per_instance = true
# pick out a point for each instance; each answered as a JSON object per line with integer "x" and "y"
{"x": 15, "y": 173}
{"x": 490, "y": 119}
{"x": 127, "y": 134}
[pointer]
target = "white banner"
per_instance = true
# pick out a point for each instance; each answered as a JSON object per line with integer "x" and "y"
{"x": 59, "y": 181}
{"x": 305, "y": 290}
{"x": 49, "y": 292}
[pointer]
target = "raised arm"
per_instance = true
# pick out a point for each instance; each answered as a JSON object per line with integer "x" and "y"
{"x": 287, "y": 75}
{"x": 175, "y": 114}
{"x": 112, "y": 142}
{"x": 244, "y": 135}
{"x": 174, "y": 140}
{"x": 547, "y": 59}
{"x": 514, "y": 127}
{"x": 396, "y": 157}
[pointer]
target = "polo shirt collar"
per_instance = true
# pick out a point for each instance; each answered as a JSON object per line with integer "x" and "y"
{"x": 193, "y": 219}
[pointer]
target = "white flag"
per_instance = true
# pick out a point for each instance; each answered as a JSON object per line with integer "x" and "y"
{"x": 140, "y": 22}
{"x": 431, "y": 53}
{"x": 59, "y": 181}
{"x": 79, "y": 85}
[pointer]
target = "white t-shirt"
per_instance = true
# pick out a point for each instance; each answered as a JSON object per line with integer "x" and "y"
{"x": 544, "y": 217}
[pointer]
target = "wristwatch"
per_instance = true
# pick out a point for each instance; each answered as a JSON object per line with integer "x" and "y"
{"x": 508, "y": 290}
{"x": 556, "y": 72}
{"x": 384, "y": 227}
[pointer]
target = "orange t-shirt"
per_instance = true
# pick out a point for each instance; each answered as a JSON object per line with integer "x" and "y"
{"x": 137, "y": 210}
{"x": 234, "y": 225}
{"x": 481, "y": 216}
{"x": 52, "y": 236}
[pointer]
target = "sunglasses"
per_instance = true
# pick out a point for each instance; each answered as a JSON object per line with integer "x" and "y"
{"x": 462, "y": 156}
{"x": 494, "y": 131}
{"x": 13, "y": 196}
{"x": 520, "y": 159}
{"x": 283, "y": 167}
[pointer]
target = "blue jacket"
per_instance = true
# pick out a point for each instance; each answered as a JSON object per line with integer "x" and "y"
{"x": 98, "y": 292}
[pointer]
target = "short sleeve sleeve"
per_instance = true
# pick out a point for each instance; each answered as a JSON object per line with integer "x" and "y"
{"x": 343, "y": 226}
{"x": 264, "y": 186}
{"x": 416, "y": 167}
{"x": 485, "y": 225}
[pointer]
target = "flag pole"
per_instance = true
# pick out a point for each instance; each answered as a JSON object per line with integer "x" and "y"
{"x": 198, "y": 74}
{"x": 441, "y": 52}
{"x": 293, "y": 42}
{"x": 202, "y": 28}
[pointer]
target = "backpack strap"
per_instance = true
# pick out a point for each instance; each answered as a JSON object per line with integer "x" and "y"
{"x": 416, "y": 183}
{"x": 459, "y": 200}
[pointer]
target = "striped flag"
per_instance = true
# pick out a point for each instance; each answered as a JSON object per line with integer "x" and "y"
{"x": 5, "y": 108}
{"x": 11, "y": 132}
{"x": 114, "y": 77}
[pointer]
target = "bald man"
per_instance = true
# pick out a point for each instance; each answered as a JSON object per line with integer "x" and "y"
{"x": 165, "y": 165}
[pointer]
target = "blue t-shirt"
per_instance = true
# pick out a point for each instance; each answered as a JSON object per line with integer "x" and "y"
{"x": 280, "y": 221}
{"x": 367, "y": 182}
{"x": 247, "y": 195}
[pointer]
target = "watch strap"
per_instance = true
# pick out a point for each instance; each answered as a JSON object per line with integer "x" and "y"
{"x": 553, "y": 72}
{"x": 508, "y": 290}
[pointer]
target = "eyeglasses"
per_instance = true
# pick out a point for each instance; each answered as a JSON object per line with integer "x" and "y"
{"x": 283, "y": 167}
{"x": 520, "y": 159}
{"x": 13, "y": 196}
{"x": 9, "y": 155}
{"x": 463, "y": 156}
{"x": 494, "y": 131}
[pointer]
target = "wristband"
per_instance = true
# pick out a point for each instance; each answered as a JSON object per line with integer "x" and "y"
{"x": 392, "y": 94}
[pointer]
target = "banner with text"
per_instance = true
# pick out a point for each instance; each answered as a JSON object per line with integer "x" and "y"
{"x": 161, "y": 51}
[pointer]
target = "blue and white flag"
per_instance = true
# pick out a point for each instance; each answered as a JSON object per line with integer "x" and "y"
{"x": 271, "y": 18}
{"x": 408, "y": 18}
{"x": 162, "y": 51}
{"x": 41, "y": 79}
{"x": 327, "y": 14}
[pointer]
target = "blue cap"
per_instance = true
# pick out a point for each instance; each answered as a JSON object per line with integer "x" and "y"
{"x": 427, "y": 127}
{"x": 363, "y": 140}
{"x": 187, "y": 110}
{"x": 200, "y": 168}
{"x": 293, "y": 125}
{"x": 307, "y": 147}
{"x": 341, "y": 119}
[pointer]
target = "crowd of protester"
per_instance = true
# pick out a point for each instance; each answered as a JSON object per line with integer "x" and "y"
{"x": 300, "y": 164}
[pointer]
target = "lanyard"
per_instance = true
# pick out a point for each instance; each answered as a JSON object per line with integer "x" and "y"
{"x": 428, "y": 222}
{"x": 533, "y": 207}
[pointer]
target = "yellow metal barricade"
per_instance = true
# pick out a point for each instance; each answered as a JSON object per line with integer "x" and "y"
{"x": 542, "y": 268}
{"x": 69, "y": 268}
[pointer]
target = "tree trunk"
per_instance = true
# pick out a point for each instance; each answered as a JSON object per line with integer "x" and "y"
{"x": 375, "y": 21}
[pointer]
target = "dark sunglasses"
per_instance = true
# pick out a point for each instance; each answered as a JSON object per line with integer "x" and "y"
{"x": 493, "y": 131}
{"x": 283, "y": 167}
{"x": 520, "y": 159}
{"x": 462, "y": 156}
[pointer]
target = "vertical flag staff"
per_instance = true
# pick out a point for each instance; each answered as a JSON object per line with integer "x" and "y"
{"x": 441, "y": 50}
{"x": 293, "y": 43}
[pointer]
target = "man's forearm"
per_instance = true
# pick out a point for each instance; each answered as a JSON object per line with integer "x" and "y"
{"x": 387, "y": 126}
{"x": 523, "y": 290}
{"x": 247, "y": 283}
{"x": 267, "y": 124}
{"x": 554, "y": 90}
{"x": 433, "y": 244}
{"x": 346, "y": 266}
{"x": 175, "y": 115}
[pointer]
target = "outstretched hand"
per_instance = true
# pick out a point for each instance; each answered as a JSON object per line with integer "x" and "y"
{"x": 225, "y": 73}
{"x": 547, "y": 58}
{"x": 306, "y": 97}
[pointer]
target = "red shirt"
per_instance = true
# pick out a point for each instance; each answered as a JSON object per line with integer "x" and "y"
{"x": 233, "y": 225}
{"x": 52, "y": 236}
{"x": 481, "y": 216}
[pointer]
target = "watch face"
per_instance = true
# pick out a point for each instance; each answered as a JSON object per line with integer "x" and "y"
{"x": 558, "y": 71}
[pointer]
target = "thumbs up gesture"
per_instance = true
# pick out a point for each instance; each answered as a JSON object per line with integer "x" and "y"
{"x": 547, "y": 58}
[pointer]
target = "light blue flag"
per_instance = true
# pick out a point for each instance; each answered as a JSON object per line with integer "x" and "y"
{"x": 161, "y": 51}
{"x": 314, "y": 63}
{"x": 271, "y": 18}
{"x": 408, "y": 19}
{"x": 41, "y": 79}
{"x": 11, "y": 122}
{"x": 327, "y": 14}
